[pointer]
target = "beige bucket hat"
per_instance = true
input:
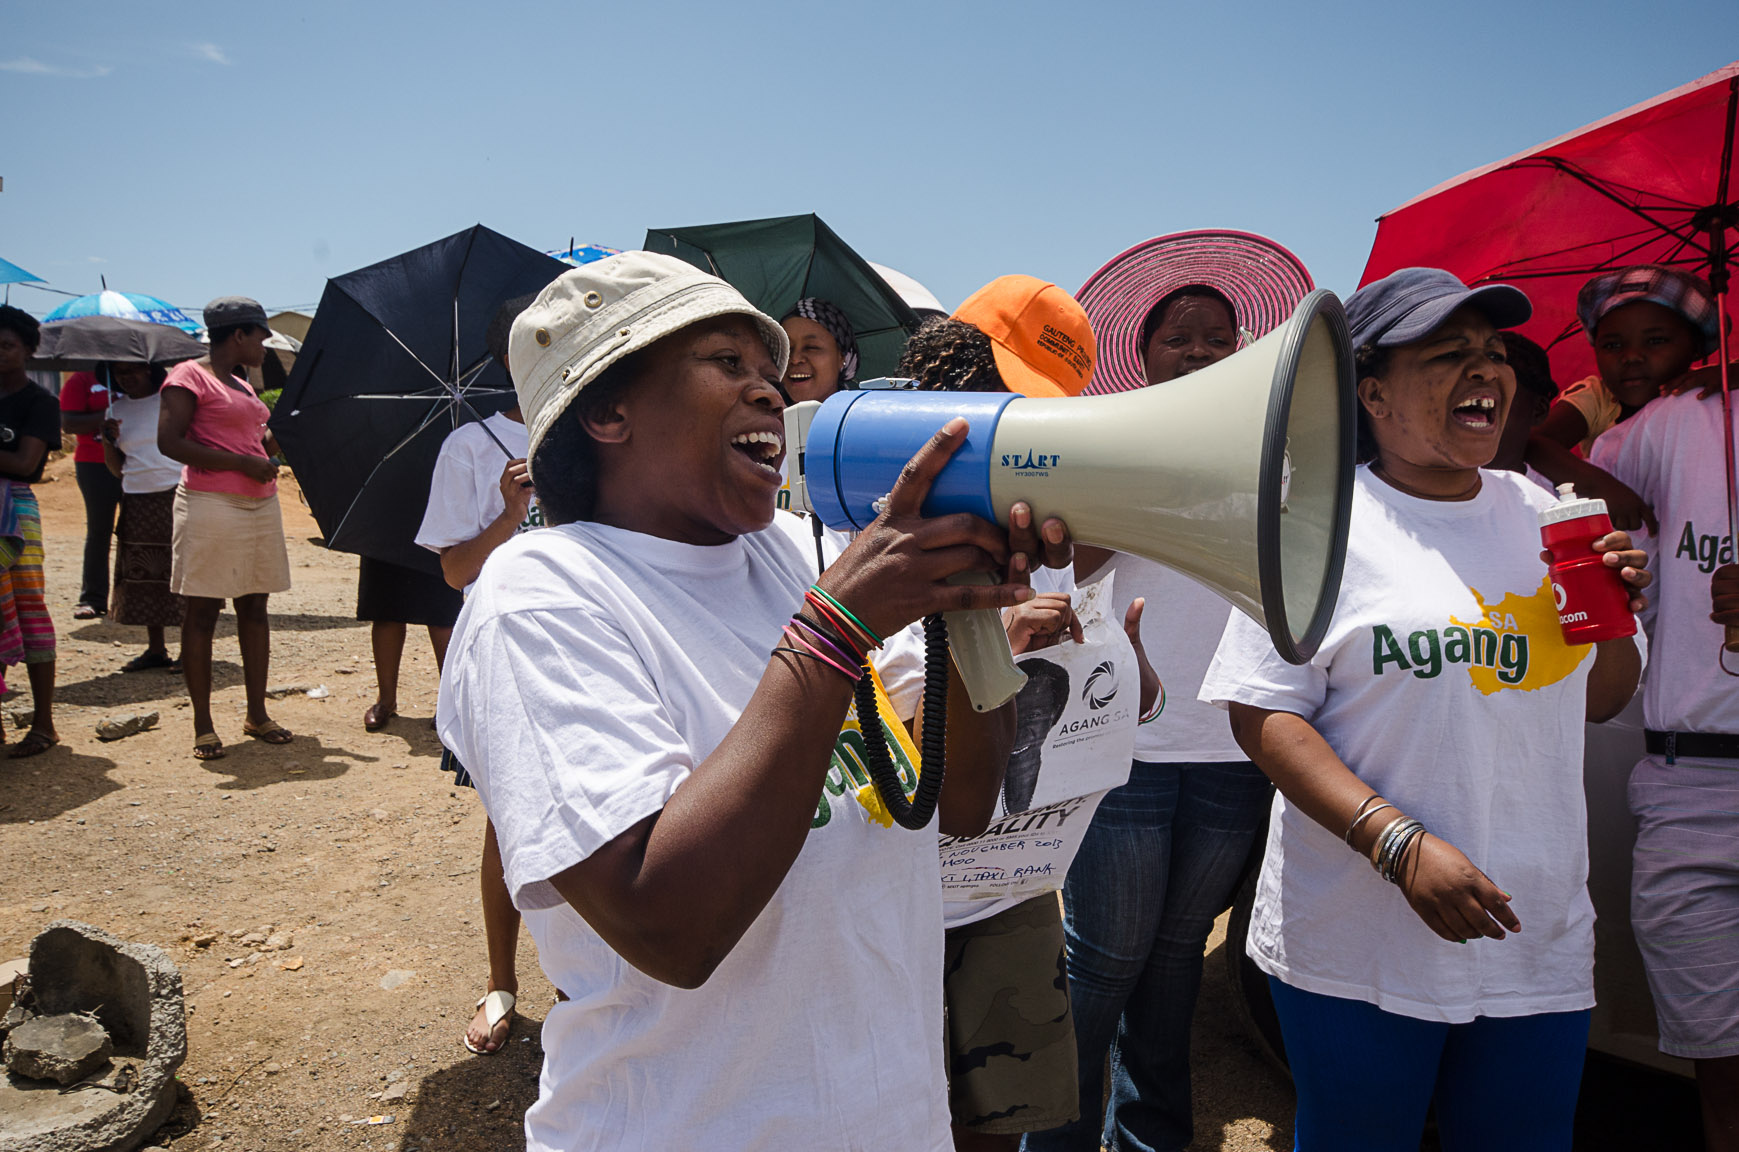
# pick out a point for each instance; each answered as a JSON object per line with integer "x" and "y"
{"x": 588, "y": 318}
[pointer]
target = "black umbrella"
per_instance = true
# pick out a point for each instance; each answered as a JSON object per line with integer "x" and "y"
{"x": 82, "y": 343}
{"x": 393, "y": 363}
{"x": 777, "y": 262}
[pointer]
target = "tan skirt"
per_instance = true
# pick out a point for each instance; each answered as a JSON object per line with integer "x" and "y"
{"x": 227, "y": 546}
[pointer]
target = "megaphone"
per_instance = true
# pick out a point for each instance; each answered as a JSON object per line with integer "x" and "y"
{"x": 1238, "y": 475}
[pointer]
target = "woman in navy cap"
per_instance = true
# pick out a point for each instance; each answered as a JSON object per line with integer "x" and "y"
{"x": 1422, "y": 911}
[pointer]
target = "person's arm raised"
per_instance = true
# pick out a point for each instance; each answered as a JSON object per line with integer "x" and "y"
{"x": 462, "y": 563}
{"x": 673, "y": 894}
{"x": 1617, "y": 663}
{"x": 1549, "y": 451}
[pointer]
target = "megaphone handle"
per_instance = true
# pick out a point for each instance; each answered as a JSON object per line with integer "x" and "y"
{"x": 1731, "y": 642}
{"x": 981, "y": 652}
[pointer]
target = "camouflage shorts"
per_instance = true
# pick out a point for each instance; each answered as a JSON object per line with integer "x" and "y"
{"x": 1011, "y": 1040}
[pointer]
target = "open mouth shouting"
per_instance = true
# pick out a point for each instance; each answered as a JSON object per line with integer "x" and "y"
{"x": 1478, "y": 412}
{"x": 764, "y": 450}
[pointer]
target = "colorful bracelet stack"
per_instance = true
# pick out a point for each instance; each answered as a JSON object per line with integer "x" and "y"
{"x": 833, "y": 635}
{"x": 1391, "y": 845}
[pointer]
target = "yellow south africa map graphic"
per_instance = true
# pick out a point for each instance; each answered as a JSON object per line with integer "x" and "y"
{"x": 1545, "y": 658}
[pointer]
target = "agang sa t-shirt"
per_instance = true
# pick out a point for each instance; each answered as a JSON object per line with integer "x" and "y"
{"x": 1445, "y": 684}
{"x": 591, "y": 670}
{"x": 1671, "y": 455}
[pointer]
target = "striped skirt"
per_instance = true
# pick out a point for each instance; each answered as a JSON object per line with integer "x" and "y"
{"x": 26, "y": 629}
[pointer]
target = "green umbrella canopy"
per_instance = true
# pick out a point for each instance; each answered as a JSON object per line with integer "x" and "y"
{"x": 777, "y": 262}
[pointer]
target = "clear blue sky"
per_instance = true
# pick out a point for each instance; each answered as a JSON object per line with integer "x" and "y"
{"x": 195, "y": 149}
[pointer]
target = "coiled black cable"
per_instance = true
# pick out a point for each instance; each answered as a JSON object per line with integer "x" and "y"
{"x": 933, "y": 740}
{"x": 933, "y": 744}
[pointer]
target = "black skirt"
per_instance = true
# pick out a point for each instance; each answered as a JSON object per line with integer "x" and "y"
{"x": 393, "y": 594}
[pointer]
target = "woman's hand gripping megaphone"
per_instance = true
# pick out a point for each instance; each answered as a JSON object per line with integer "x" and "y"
{"x": 900, "y": 568}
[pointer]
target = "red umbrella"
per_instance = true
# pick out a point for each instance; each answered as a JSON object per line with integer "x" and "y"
{"x": 1654, "y": 184}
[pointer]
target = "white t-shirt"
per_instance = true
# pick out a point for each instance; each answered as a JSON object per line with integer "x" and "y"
{"x": 465, "y": 492}
{"x": 1670, "y": 454}
{"x": 591, "y": 670}
{"x": 145, "y": 469}
{"x": 1445, "y": 684}
{"x": 1180, "y": 629}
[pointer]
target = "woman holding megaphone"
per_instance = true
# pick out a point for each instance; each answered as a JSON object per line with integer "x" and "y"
{"x": 1422, "y": 911}
{"x": 653, "y": 701}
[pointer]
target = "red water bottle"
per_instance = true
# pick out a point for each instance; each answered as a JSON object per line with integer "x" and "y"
{"x": 1593, "y": 600}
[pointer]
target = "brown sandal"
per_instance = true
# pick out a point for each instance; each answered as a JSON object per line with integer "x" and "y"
{"x": 35, "y": 743}
{"x": 271, "y": 732}
{"x": 208, "y": 746}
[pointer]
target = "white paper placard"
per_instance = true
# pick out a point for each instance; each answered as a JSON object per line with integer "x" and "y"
{"x": 1074, "y": 740}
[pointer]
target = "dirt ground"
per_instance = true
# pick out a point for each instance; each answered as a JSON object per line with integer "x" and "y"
{"x": 360, "y": 854}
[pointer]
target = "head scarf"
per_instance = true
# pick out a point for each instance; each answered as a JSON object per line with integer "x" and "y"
{"x": 828, "y": 315}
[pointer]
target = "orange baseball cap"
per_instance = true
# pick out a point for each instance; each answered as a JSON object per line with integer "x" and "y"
{"x": 1040, "y": 336}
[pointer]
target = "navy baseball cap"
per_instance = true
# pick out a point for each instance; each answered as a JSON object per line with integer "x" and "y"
{"x": 1412, "y": 303}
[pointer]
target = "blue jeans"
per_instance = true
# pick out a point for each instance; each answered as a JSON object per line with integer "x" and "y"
{"x": 1159, "y": 862}
{"x": 1365, "y": 1077}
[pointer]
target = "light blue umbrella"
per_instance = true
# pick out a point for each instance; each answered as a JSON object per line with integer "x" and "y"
{"x": 11, "y": 273}
{"x": 127, "y": 306}
{"x": 577, "y": 254}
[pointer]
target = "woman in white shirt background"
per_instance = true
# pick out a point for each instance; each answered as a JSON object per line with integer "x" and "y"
{"x": 479, "y": 498}
{"x": 747, "y": 965}
{"x": 1433, "y": 742}
{"x": 144, "y": 531}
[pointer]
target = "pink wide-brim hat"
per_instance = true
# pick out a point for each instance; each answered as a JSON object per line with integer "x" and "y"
{"x": 1264, "y": 281}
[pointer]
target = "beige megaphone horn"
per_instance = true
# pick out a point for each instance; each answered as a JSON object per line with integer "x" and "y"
{"x": 1238, "y": 475}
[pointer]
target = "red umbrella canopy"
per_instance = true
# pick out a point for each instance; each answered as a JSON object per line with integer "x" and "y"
{"x": 1654, "y": 184}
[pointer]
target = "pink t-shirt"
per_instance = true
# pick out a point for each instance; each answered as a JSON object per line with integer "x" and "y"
{"x": 230, "y": 419}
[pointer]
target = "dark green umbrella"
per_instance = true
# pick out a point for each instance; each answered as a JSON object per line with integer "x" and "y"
{"x": 777, "y": 262}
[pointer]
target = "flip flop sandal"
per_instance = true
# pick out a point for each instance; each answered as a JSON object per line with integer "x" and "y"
{"x": 85, "y": 612}
{"x": 147, "y": 660}
{"x": 497, "y": 1006}
{"x": 35, "y": 743}
{"x": 208, "y": 746}
{"x": 271, "y": 732}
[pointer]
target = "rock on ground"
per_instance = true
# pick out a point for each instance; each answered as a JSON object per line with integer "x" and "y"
{"x": 64, "y": 1048}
